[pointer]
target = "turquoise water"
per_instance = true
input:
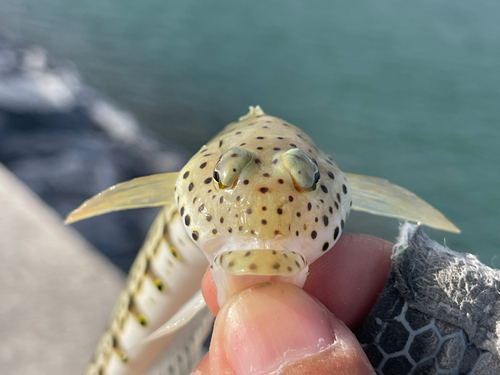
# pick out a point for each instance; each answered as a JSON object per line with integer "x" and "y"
{"x": 405, "y": 91}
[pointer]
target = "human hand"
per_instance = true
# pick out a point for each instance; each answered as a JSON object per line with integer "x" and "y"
{"x": 279, "y": 327}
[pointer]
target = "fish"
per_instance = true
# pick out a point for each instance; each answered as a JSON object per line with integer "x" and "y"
{"x": 259, "y": 202}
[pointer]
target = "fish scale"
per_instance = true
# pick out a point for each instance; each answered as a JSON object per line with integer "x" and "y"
{"x": 261, "y": 202}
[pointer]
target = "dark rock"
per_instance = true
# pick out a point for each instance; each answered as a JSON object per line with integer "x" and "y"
{"x": 67, "y": 142}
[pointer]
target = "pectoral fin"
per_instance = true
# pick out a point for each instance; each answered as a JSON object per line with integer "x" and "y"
{"x": 181, "y": 318}
{"x": 381, "y": 197}
{"x": 148, "y": 191}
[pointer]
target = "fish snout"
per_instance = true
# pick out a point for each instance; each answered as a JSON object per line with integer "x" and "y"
{"x": 262, "y": 262}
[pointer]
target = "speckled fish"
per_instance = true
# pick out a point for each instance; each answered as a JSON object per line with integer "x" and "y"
{"x": 260, "y": 201}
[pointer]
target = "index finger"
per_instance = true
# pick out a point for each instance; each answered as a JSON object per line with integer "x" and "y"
{"x": 347, "y": 279}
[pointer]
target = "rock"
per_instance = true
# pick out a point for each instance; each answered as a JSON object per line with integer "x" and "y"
{"x": 67, "y": 142}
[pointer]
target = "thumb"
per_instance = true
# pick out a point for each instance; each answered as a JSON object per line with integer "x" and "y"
{"x": 278, "y": 328}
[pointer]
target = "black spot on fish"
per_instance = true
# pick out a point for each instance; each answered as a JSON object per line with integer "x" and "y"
{"x": 214, "y": 231}
{"x": 326, "y": 245}
{"x": 220, "y": 143}
{"x": 195, "y": 235}
{"x": 245, "y": 182}
{"x": 185, "y": 175}
{"x": 336, "y": 233}
{"x": 314, "y": 234}
{"x": 325, "y": 220}
{"x": 208, "y": 180}
{"x": 187, "y": 220}
{"x": 264, "y": 190}
{"x": 330, "y": 174}
{"x": 309, "y": 206}
{"x": 191, "y": 186}
{"x": 324, "y": 188}
{"x": 344, "y": 189}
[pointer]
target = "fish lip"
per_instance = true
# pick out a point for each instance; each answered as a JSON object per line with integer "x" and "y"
{"x": 263, "y": 262}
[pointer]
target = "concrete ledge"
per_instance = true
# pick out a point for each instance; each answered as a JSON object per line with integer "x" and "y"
{"x": 56, "y": 292}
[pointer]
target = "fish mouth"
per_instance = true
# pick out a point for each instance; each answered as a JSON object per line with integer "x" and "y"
{"x": 262, "y": 262}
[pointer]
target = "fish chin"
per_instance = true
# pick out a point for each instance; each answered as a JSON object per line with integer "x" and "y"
{"x": 236, "y": 270}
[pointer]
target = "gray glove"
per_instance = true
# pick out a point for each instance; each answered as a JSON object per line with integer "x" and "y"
{"x": 439, "y": 312}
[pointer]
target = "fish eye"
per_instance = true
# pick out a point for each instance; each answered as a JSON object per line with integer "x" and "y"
{"x": 230, "y": 166}
{"x": 317, "y": 176}
{"x": 303, "y": 170}
{"x": 216, "y": 177}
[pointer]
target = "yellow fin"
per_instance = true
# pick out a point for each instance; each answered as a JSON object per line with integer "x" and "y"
{"x": 381, "y": 197}
{"x": 195, "y": 305}
{"x": 148, "y": 191}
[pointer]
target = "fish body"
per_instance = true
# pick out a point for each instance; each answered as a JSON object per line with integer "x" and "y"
{"x": 165, "y": 274}
{"x": 260, "y": 201}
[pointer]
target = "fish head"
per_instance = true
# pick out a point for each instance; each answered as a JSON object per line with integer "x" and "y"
{"x": 262, "y": 202}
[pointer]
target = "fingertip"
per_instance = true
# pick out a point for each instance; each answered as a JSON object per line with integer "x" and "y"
{"x": 278, "y": 327}
{"x": 351, "y": 275}
{"x": 347, "y": 279}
